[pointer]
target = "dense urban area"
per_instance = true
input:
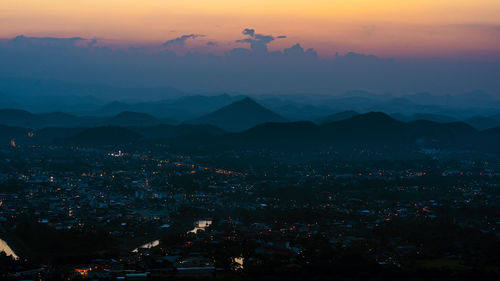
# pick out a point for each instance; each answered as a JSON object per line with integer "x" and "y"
{"x": 146, "y": 212}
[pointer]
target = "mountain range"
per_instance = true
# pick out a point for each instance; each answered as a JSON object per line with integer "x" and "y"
{"x": 245, "y": 124}
{"x": 232, "y": 113}
{"x": 21, "y": 118}
{"x": 374, "y": 131}
{"x": 81, "y": 99}
{"x": 239, "y": 116}
{"x": 370, "y": 130}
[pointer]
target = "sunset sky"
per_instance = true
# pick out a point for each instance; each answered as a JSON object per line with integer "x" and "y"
{"x": 386, "y": 28}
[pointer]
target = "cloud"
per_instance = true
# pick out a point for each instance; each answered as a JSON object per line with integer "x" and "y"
{"x": 181, "y": 41}
{"x": 92, "y": 43}
{"x": 245, "y": 70}
{"x": 258, "y": 42}
{"x": 248, "y": 31}
{"x": 297, "y": 51}
{"x": 46, "y": 41}
{"x": 211, "y": 44}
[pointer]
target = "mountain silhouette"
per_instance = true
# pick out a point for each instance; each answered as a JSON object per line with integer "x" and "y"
{"x": 183, "y": 108}
{"x": 130, "y": 118}
{"x": 488, "y": 140}
{"x": 482, "y": 123}
{"x": 239, "y": 116}
{"x": 423, "y": 116}
{"x": 106, "y": 135}
{"x": 164, "y": 131}
{"x": 337, "y": 116}
{"x": 22, "y": 118}
{"x": 374, "y": 131}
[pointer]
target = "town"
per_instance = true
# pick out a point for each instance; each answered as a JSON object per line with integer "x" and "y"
{"x": 147, "y": 213}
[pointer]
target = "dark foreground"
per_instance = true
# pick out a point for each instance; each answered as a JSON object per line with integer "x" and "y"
{"x": 73, "y": 213}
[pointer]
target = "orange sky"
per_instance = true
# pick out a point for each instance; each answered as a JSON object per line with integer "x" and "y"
{"x": 381, "y": 27}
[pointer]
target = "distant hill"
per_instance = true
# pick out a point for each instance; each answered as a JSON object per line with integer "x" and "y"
{"x": 376, "y": 131}
{"x": 488, "y": 140}
{"x": 482, "y": 123}
{"x": 164, "y": 131}
{"x": 239, "y": 116}
{"x": 293, "y": 110}
{"x": 8, "y": 133}
{"x": 43, "y": 95}
{"x": 51, "y": 134}
{"x": 373, "y": 132}
{"x": 103, "y": 135}
{"x": 15, "y": 117}
{"x": 106, "y": 135}
{"x": 21, "y": 118}
{"x": 496, "y": 117}
{"x": 337, "y": 117}
{"x": 183, "y": 108}
{"x": 424, "y": 116}
{"x": 478, "y": 122}
{"x": 365, "y": 125}
{"x": 23, "y": 136}
{"x": 129, "y": 118}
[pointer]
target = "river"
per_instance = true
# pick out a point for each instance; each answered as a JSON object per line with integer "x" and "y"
{"x": 197, "y": 225}
{"x": 200, "y": 225}
{"x": 4, "y": 247}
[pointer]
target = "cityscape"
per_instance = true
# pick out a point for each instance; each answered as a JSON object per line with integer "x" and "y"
{"x": 249, "y": 140}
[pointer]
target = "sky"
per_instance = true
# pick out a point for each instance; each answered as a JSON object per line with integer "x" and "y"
{"x": 386, "y": 28}
{"x": 257, "y": 47}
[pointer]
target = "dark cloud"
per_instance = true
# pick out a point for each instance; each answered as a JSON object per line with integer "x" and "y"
{"x": 258, "y": 42}
{"x": 297, "y": 51}
{"x": 211, "y": 44}
{"x": 264, "y": 38}
{"x": 92, "y": 43}
{"x": 248, "y": 31}
{"x": 181, "y": 41}
{"x": 46, "y": 41}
